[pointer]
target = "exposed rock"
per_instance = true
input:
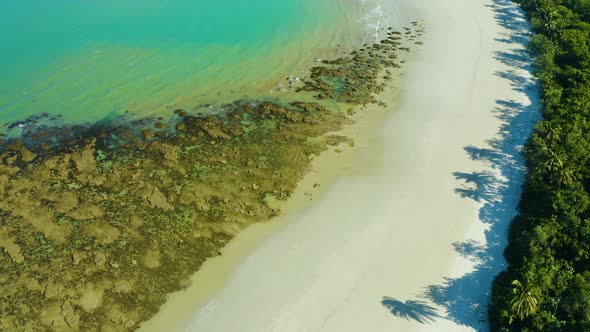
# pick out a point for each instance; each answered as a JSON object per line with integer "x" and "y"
{"x": 135, "y": 221}
{"x": 152, "y": 259}
{"x": 11, "y": 248}
{"x": 42, "y": 219}
{"x": 78, "y": 256}
{"x": 102, "y": 232}
{"x": 100, "y": 258}
{"x": 70, "y": 316}
{"x": 120, "y": 319}
{"x": 148, "y": 134}
{"x": 86, "y": 163}
{"x": 52, "y": 289}
{"x": 180, "y": 112}
{"x": 124, "y": 286}
{"x": 52, "y": 317}
{"x": 34, "y": 285}
{"x": 156, "y": 199}
{"x": 65, "y": 201}
{"x": 26, "y": 155}
{"x": 170, "y": 152}
{"x": 7, "y": 323}
{"x": 181, "y": 127}
{"x": 92, "y": 298}
{"x": 86, "y": 211}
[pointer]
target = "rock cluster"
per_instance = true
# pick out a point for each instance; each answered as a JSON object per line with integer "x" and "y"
{"x": 356, "y": 78}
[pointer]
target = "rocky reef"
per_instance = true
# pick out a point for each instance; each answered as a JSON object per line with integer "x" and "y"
{"x": 99, "y": 223}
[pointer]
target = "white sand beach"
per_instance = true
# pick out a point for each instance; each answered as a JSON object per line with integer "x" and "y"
{"x": 410, "y": 237}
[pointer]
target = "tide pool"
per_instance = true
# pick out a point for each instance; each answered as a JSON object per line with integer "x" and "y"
{"x": 89, "y": 59}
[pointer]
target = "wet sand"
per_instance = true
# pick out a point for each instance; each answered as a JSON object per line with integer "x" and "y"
{"x": 339, "y": 161}
{"x": 410, "y": 234}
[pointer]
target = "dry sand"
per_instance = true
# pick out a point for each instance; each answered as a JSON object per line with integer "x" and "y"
{"x": 411, "y": 234}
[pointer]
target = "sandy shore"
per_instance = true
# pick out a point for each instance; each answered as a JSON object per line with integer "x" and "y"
{"x": 410, "y": 235}
{"x": 339, "y": 161}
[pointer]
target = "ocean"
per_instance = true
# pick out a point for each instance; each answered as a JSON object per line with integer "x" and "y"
{"x": 86, "y": 60}
{"x": 138, "y": 137}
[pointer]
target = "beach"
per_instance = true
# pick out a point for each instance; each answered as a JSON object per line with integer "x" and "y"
{"x": 410, "y": 235}
{"x": 364, "y": 181}
{"x": 103, "y": 222}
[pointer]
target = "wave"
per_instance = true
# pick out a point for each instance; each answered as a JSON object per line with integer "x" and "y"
{"x": 376, "y": 16}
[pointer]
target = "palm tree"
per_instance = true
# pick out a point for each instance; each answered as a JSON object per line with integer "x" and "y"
{"x": 554, "y": 162}
{"x": 524, "y": 301}
{"x": 565, "y": 176}
{"x": 554, "y": 133}
{"x": 558, "y": 168}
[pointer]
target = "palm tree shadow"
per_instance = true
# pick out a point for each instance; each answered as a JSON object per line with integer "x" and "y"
{"x": 418, "y": 311}
{"x": 465, "y": 299}
{"x": 479, "y": 186}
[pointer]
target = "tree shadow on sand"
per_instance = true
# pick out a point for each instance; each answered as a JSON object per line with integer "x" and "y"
{"x": 418, "y": 311}
{"x": 498, "y": 189}
{"x": 479, "y": 186}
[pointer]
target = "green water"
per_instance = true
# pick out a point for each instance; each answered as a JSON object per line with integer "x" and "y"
{"x": 88, "y": 59}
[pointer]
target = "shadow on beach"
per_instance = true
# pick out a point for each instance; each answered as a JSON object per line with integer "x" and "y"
{"x": 419, "y": 311}
{"x": 498, "y": 189}
{"x": 466, "y": 298}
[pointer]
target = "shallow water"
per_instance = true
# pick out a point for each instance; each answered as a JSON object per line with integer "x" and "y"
{"x": 86, "y": 60}
{"x": 139, "y": 201}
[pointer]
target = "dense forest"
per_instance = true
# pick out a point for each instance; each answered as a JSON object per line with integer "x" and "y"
{"x": 547, "y": 285}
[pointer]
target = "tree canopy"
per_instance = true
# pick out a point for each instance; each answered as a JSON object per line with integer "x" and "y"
{"x": 547, "y": 284}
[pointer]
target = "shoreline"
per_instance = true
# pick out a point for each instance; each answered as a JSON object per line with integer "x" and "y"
{"x": 156, "y": 77}
{"x": 133, "y": 209}
{"x": 413, "y": 244}
{"x": 341, "y": 160}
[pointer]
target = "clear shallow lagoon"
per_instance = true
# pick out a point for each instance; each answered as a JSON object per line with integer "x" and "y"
{"x": 88, "y": 59}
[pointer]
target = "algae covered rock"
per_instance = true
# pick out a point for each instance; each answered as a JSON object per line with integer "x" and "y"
{"x": 11, "y": 248}
{"x": 156, "y": 199}
{"x": 99, "y": 223}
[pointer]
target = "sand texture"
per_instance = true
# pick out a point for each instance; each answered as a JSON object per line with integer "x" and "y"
{"x": 411, "y": 239}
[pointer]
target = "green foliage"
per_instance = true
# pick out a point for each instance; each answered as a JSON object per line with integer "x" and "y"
{"x": 524, "y": 301}
{"x": 549, "y": 248}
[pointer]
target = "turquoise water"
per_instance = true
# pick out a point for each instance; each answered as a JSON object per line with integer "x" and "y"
{"x": 88, "y": 59}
